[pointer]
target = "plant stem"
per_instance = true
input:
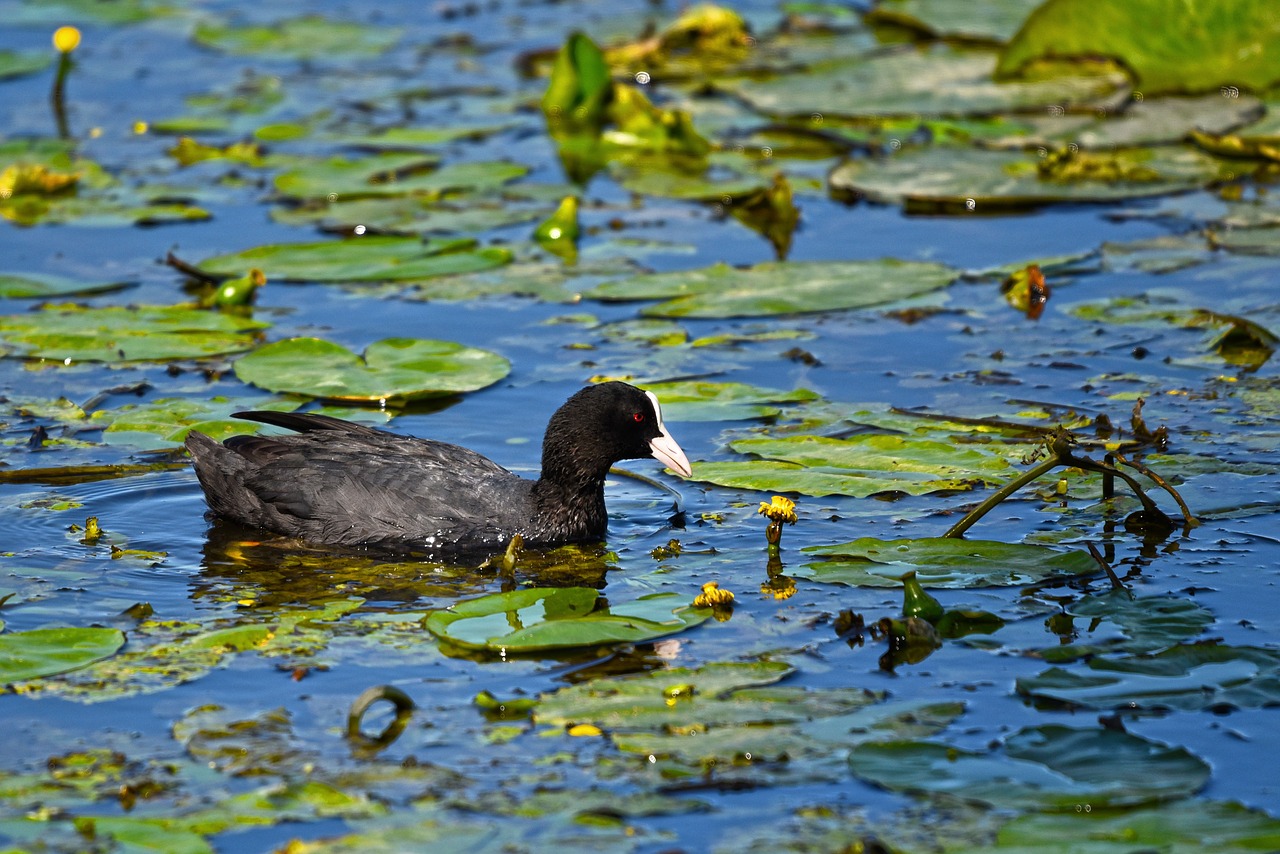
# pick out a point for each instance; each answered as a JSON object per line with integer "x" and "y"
{"x": 58, "y": 98}
{"x": 958, "y": 529}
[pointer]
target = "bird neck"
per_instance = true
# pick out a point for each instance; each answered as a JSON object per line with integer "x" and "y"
{"x": 571, "y": 510}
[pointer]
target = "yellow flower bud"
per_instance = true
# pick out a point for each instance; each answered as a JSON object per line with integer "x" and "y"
{"x": 780, "y": 509}
{"x": 712, "y": 596}
{"x": 66, "y": 39}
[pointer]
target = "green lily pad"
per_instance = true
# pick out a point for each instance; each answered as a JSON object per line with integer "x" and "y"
{"x": 46, "y": 652}
{"x": 1151, "y": 121}
{"x": 15, "y": 63}
{"x": 946, "y": 179}
{"x": 118, "y": 334}
{"x": 412, "y": 215}
{"x": 934, "y": 19}
{"x": 1188, "y": 677}
{"x": 310, "y": 37}
{"x": 642, "y": 701}
{"x": 940, "y": 562}
{"x": 774, "y": 288}
{"x": 740, "y": 718}
{"x": 163, "y": 654}
{"x": 651, "y": 176}
{"x": 37, "y": 286}
{"x": 397, "y": 369}
{"x": 361, "y": 259}
{"x": 1169, "y": 46}
{"x": 393, "y": 174}
{"x": 1261, "y": 240}
{"x": 860, "y": 465}
{"x": 1117, "y": 621}
{"x": 938, "y": 82}
{"x": 165, "y": 422}
{"x": 45, "y": 181}
{"x": 1185, "y": 825}
{"x": 1047, "y": 767}
{"x": 701, "y": 400}
{"x": 537, "y": 620}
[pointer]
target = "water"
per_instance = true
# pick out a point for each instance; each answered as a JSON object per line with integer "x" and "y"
{"x": 217, "y": 577}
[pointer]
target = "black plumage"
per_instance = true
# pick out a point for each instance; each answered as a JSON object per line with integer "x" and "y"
{"x": 340, "y": 483}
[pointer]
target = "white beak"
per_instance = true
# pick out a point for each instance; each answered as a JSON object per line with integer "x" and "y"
{"x": 664, "y": 447}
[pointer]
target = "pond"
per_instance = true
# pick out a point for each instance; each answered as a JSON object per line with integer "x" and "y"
{"x": 860, "y": 274}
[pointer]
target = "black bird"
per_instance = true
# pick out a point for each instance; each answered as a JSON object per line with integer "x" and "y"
{"x": 340, "y": 483}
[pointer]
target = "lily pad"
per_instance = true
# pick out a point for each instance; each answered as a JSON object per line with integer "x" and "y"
{"x": 1189, "y": 677}
{"x": 1117, "y": 621}
{"x": 938, "y": 82}
{"x": 776, "y": 288}
{"x": 21, "y": 63}
{"x": 1047, "y": 767}
{"x": 46, "y": 652}
{"x": 37, "y": 286}
{"x": 398, "y": 369}
{"x": 1169, "y": 45}
{"x": 310, "y": 37}
{"x": 958, "y": 19}
{"x": 861, "y": 465}
{"x": 701, "y": 400}
{"x": 1261, "y": 240}
{"x": 361, "y": 259}
{"x": 1186, "y": 825}
{"x": 537, "y": 620}
{"x": 1151, "y": 121}
{"x": 165, "y": 422}
{"x": 118, "y": 334}
{"x": 932, "y": 179}
{"x": 393, "y": 174}
{"x": 941, "y": 562}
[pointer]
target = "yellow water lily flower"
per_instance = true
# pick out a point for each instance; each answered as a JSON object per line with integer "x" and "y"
{"x": 66, "y": 39}
{"x": 581, "y": 730}
{"x": 712, "y": 596}
{"x": 780, "y": 509}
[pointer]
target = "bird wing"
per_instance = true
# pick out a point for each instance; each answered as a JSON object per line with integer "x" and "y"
{"x": 353, "y": 485}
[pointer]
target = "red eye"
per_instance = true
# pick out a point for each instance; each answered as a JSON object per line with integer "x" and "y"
{"x": 638, "y": 417}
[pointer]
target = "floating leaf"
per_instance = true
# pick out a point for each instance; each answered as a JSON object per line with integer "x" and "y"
{"x": 1261, "y": 240}
{"x": 940, "y": 562}
{"x": 1188, "y": 677}
{"x": 1169, "y": 45}
{"x": 311, "y": 37}
{"x": 1046, "y": 767}
{"x": 188, "y": 151}
{"x": 703, "y": 400}
{"x": 361, "y": 259}
{"x": 956, "y": 19}
{"x": 393, "y": 174}
{"x": 165, "y": 422}
{"x": 118, "y": 334}
{"x": 38, "y": 286}
{"x": 536, "y": 620}
{"x": 643, "y": 701}
{"x": 1121, "y": 622}
{"x": 1184, "y": 825}
{"x": 939, "y": 82}
{"x": 772, "y": 288}
{"x": 21, "y": 63}
{"x": 46, "y": 652}
{"x": 937, "y": 179}
{"x": 861, "y": 465}
{"x": 394, "y": 369}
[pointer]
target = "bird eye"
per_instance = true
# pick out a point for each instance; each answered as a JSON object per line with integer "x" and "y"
{"x": 637, "y": 417}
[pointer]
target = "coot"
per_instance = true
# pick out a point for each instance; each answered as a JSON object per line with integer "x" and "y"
{"x": 339, "y": 483}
